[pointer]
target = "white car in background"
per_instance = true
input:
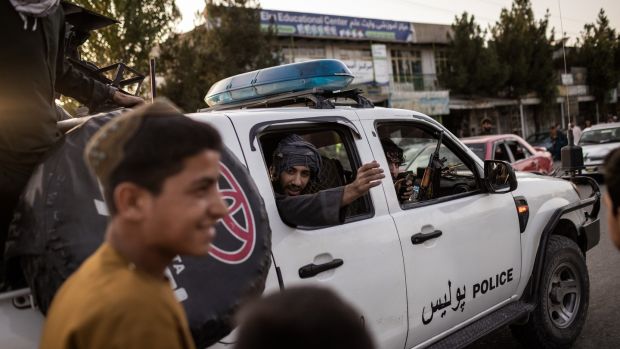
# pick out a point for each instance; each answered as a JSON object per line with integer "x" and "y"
{"x": 596, "y": 142}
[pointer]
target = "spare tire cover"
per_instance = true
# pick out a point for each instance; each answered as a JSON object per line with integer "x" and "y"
{"x": 61, "y": 220}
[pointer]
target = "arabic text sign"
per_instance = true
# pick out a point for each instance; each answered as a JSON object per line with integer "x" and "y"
{"x": 427, "y": 102}
{"x": 316, "y": 25}
{"x": 380, "y": 62}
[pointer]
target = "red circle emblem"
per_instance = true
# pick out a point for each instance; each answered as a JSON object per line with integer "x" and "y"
{"x": 243, "y": 230}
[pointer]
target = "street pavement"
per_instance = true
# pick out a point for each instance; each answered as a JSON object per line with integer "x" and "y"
{"x": 602, "y": 329}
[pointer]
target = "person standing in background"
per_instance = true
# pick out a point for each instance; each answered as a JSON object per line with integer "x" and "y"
{"x": 576, "y": 131}
{"x": 486, "y": 127}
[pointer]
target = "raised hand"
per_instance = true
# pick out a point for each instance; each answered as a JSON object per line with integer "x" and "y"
{"x": 368, "y": 176}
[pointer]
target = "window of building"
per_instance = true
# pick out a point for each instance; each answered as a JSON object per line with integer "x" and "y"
{"x": 355, "y": 54}
{"x": 407, "y": 67}
{"x": 441, "y": 62}
{"x": 339, "y": 164}
{"x": 302, "y": 53}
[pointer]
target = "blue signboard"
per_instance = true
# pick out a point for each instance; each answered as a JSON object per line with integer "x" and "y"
{"x": 326, "y": 26}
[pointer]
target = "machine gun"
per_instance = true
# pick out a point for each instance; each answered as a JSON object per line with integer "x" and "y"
{"x": 424, "y": 190}
{"x": 80, "y": 22}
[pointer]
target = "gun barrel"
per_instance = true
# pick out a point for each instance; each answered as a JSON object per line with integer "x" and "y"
{"x": 153, "y": 82}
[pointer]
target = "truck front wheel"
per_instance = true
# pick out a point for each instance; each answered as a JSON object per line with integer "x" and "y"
{"x": 563, "y": 298}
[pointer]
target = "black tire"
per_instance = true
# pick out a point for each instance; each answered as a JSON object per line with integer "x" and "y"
{"x": 563, "y": 298}
{"x": 57, "y": 226}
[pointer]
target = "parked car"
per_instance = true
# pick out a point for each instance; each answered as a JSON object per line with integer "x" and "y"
{"x": 484, "y": 246}
{"x": 513, "y": 149}
{"x": 596, "y": 142}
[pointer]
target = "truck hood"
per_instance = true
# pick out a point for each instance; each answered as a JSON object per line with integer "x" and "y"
{"x": 543, "y": 187}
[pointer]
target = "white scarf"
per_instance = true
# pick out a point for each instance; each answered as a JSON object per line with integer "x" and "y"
{"x": 34, "y": 8}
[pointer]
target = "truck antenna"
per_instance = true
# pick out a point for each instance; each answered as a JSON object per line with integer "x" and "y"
{"x": 153, "y": 83}
{"x": 565, "y": 68}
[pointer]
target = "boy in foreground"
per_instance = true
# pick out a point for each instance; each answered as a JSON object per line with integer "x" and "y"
{"x": 159, "y": 172}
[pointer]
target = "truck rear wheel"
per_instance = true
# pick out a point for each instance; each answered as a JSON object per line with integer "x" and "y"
{"x": 563, "y": 298}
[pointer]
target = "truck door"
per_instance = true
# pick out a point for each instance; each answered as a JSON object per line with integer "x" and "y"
{"x": 362, "y": 256}
{"x": 461, "y": 246}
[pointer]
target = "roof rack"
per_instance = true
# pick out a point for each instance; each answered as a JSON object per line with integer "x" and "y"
{"x": 320, "y": 99}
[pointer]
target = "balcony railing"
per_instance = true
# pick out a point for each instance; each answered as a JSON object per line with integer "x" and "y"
{"x": 415, "y": 82}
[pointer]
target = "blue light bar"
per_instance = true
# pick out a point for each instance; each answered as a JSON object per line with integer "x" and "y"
{"x": 326, "y": 74}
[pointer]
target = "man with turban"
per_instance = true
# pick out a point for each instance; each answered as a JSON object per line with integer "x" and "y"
{"x": 296, "y": 163}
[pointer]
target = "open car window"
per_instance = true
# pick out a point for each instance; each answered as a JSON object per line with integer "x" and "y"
{"x": 501, "y": 152}
{"x": 339, "y": 159}
{"x": 519, "y": 152}
{"x": 455, "y": 175}
{"x": 480, "y": 149}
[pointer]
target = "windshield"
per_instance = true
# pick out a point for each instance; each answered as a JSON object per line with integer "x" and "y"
{"x": 607, "y": 135}
{"x": 478, "y": 148}
{"x": 422, "y": 157}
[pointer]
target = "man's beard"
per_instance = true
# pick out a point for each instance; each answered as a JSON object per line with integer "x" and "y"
{"x": 293, "y": 188}
{"x": 281, "y": 189}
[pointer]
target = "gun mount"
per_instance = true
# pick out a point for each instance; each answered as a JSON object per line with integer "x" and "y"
{"x": 80, "y": 22}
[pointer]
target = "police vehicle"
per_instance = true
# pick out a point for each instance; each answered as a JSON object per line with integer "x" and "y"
{"x": 483, "y": 247}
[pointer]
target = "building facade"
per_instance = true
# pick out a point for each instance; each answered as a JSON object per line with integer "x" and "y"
{"x": 395, "y": 63}
{"x": 398, "y": 64}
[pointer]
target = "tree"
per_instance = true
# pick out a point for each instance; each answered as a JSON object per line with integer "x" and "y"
{"x": 230, "y": 42}
{"x": 597, "y": 53}
{"x": 188, "y": 66}
{"x": 474, "y": 67}
{"x": 143, "y": 24}
{"x": 523, "y": 47}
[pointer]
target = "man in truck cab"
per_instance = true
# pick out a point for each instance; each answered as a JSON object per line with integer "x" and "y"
{"x": 296, "y": 163}
{"x": 403, "y": 181}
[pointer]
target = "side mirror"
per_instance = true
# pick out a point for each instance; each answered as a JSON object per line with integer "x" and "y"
{"x": 499, "y": 177}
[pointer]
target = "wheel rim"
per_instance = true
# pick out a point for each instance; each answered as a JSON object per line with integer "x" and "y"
{"x": 564, "y": 295}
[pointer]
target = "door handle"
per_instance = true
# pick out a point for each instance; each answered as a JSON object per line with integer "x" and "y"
{"x": 419, "y": 238}
{"x": 310, "y": 270}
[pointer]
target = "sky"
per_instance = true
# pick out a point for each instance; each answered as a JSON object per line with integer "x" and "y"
{"x": 575, "y": 13}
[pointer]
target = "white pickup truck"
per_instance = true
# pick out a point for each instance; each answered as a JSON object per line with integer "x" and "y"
{"x": 488, "y": 248}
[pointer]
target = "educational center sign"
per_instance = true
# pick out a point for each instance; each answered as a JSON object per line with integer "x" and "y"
{"x": 339, "y": 27}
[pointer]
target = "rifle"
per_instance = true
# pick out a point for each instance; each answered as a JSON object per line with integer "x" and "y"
{"x": 424, "y": 190}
